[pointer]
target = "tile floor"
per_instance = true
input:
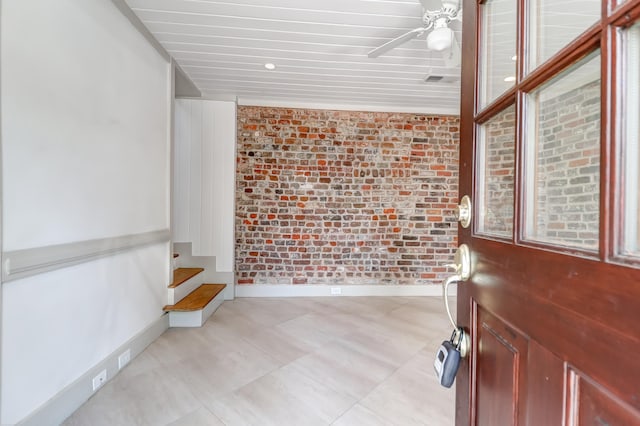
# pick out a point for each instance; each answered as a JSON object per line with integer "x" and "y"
{"x": 299, "y": 361}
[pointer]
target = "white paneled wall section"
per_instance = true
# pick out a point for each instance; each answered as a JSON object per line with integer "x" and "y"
{"x": 204, "y": 178}
{"x": 86, "y": 137}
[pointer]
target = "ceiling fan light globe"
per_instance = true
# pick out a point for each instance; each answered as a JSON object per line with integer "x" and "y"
{"x": 440, "y": 39}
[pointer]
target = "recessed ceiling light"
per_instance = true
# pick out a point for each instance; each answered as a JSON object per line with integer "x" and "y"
{"x": 270, "y": 66}
{"x": 514, "y": 58}
{"x": 509, "y": 79}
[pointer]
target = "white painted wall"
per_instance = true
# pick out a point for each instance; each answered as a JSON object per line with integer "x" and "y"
{"x": 74, "y": 79}
{"x": 204, "y": 178}
{"x": 85, "y": 145}
{"x": 58, "y": 325}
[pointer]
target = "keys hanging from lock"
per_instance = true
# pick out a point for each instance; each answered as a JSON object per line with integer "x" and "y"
{"x": 448, "y": 357}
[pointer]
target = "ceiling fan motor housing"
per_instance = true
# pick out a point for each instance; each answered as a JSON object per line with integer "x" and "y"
{"x": 442, "y": 17}
{"x": 436, "y": 18}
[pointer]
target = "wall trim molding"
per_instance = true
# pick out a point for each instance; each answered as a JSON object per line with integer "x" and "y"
{"x": 325, "y": 290}
{"x": 69, "y": 399}
{"x": 19, "y": 264}
{"x": 124, "y": 8}
{"x": 185, "y": 86}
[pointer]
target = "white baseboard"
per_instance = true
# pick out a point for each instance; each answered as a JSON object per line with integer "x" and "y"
{"x": 68, "y": 400}
{"x": 322, "y": 290}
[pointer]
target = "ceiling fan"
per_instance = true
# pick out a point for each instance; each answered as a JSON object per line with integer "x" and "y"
{"x": 435, "y": 20}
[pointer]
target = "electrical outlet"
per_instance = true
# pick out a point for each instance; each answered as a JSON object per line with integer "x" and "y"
{"x": 336, "y": 290}
{"x": 124, "y": 359}
{"x": 99, "y": 380}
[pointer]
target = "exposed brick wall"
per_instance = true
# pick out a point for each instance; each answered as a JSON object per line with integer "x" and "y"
{"x": 499, "y": 154}
{"x": 339, "y": 197}
{"x": 568, "y": 168}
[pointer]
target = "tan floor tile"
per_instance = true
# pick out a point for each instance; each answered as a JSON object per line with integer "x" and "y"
{"x": 344, "y": 369}
{"x": 152, "y": 398}
{"x": 279, "y": 345}
{"x": 270, "y": 312}
{"x": 200, "y": 417}
{"x": 317, "y": 330}
{"x": 413, "y": 396}
{"x": 361, "y": 416}
{"x": 394, "y": 350}
{"x": 211, "y": 375}
{"x": 299, "y": 361}
{"x": 284, "y": 397}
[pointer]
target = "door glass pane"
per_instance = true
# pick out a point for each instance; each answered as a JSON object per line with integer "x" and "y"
{"x": 556, "y": 23}
{"x": 497, "y": 155}
{"x": 563, "y": 158}
{"x": 631, "y": 153}
{"x": 497, "y": 49}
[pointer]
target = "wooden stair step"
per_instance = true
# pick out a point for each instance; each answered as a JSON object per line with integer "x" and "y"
{"x": 181, "y": 275}
{"x": 198, "y": 298}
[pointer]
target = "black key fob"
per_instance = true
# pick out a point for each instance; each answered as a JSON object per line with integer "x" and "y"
{"x": 447, "y": 363}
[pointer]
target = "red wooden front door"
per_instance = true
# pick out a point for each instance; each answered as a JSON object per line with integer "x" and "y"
{"x": 550, "y": 156}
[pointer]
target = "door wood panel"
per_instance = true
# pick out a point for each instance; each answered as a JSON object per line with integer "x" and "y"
{"x": 501, "y": 352}
{"x": 545, "y": 386}
{"x": 592, "y": 405}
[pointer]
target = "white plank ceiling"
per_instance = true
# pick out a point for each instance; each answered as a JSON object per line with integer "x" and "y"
{"x": 319, "y": 48}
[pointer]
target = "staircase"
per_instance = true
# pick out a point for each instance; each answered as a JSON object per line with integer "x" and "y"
{"x": 191, "y": 302}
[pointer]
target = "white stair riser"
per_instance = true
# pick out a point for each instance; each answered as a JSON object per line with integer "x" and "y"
{"x": 176, "y": 294}
{"x": 195, "y": 318}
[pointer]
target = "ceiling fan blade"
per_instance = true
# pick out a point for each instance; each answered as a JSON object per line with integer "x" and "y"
{"x": 395, "y": 42}
{"x": 431, "y": 4}
{"x": 459, "y": 15}
{"x": 452, "y": 4}
{"x": 452, "y": 55}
